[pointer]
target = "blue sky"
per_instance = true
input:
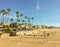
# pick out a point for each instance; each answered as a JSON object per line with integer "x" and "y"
{"x": 45, "y": 12}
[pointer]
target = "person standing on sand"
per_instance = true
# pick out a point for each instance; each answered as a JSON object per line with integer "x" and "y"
{"x": 46, "y": 35}
{"x": 33, "y": 34}
{"x": 46, "y": 38}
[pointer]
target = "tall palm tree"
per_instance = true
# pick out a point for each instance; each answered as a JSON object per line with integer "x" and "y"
{"x": 21, "y": 17}
{"x": 18, "y": 21}
{"x": 17, "y": 15}
{"x": 8, "y": 11}
{"x": 32, "y": 20}
{"x": 11, "y": 20}
{"x": 3, "y": 13}
{"x": 0, "y": 11}
{"x": 28, "y": 22}
{"x": 11, "y": 24}
{"x": 23, "y": 21}
{"x": 26, "y": 19}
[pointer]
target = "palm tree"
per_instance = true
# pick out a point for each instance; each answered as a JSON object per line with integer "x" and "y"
{"x": 11, "y": 24}
{"x": 11, "y": 20}
{"x": 32, "y": 20}
{"x": 8, "y": 11}
{"x": 26, "y": 19}
{"x": 17, "y": 15}
{"x": 23, "y": 21}
{"x": 0, "y": 11}
{"x": 18, "y": 21}
{"x": 21, "y": 17}
{"x": 3, "y": 13}
{"x": 28, "y": 22}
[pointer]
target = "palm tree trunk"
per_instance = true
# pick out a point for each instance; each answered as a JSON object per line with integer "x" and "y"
{"x": 25, "y": 20}
{"x": 32, "y": 22}
{"x": 17, "y": 20}
{"x": 21, "y": 19}
{"x": 3, "y": 19}
{"x": 8, "y": 18}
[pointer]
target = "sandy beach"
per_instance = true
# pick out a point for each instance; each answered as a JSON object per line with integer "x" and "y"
{"x": 29, "y": 40}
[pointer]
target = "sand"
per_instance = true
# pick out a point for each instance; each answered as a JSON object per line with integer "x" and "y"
{"x": 27, "y": 39}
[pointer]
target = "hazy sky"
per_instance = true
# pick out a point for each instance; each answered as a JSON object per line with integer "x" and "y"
{"x": 43, "y": 11}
